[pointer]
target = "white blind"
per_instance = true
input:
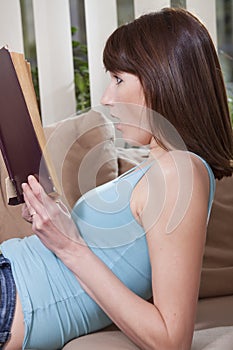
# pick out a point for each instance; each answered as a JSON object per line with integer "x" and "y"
{"x": 101, "y": 20}
{"x": 54, "y": 49}
{"x": 54, "y": 57}
{"x": 11, "y": 32}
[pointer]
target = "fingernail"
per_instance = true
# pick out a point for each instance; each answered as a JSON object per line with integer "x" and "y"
{"x": 31, "y": 178}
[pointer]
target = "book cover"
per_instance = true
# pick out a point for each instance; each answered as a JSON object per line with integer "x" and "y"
{"x": 22, "y": 141}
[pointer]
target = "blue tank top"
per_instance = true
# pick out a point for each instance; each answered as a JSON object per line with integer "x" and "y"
{"x": 56, "y": 308}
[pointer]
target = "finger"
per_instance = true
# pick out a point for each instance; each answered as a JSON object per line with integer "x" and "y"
{"x": 41, "y": 203}
{"x": 39, "y": 192}
{"x": 36, "y": 192}
{"x": 35, "y": 186}
{"x": 31, "y": 200}
{"x": 28, "y": 207}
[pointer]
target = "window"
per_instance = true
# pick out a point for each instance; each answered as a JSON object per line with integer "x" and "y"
{"x": 178, "y": 3}
{"x": 224, "y": 11}
{"x": 29, "y": 42}
{"x": 125, "y": 11}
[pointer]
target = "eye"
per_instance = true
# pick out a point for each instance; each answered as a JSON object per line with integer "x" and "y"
{"x": 118, "y": 79}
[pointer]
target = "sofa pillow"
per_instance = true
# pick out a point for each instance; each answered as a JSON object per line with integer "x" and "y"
{"x": 83, "y": 153}
{"x": 217, "y": 272}
{"x": 129, "y": 157}
{"x": 11, "y": 222}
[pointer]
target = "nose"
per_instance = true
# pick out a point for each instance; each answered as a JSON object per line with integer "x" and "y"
{"x": 106, "y": 99}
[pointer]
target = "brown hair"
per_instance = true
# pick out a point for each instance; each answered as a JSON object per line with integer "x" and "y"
{"x": 173, "y": 56}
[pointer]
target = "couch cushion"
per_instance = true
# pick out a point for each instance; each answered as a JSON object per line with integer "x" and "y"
{"x": 113, "y": 340}
{"x": 217, "y": 272}
{"x": 219, "y": 338}
{"x": 214, "y": 312}
{"x": 11, "y": 222}
{"x": 84, "y": 155}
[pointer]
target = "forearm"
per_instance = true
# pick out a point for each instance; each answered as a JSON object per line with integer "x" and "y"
{"x": 137, "y": 318}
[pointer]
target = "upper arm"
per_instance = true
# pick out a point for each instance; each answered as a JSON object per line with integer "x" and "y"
{"x": 174, "y": 217}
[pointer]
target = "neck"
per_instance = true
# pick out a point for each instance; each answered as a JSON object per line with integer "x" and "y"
{"x": 156, "y": 151}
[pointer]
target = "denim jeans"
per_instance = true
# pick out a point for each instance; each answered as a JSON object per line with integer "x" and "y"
{"x": 7, "y": 299}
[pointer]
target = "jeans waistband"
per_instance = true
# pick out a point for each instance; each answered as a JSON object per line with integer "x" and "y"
{"x": 8, "y": 299}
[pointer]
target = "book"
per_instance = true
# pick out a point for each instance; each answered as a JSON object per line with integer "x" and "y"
{"x": 22, "y": 140}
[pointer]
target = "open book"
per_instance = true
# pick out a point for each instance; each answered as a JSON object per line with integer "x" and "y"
{"x": 22, "y": 139}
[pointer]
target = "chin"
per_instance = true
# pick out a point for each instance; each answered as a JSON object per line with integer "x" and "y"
{"x": 136, "y": 142}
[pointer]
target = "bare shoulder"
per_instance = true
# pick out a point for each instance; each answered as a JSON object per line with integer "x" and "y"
{"x": 175, "y": 163}
{"x": 176, "y": 184}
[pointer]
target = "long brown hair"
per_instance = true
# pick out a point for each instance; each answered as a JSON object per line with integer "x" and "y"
{"x": 173, "y": 56}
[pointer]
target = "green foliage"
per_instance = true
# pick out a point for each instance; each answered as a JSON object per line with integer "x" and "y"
{"x": 35, "y": 80}
{"x": 230, "y": 104}
{"x": 81, "y": 74}
{"x": 178, "y": 3}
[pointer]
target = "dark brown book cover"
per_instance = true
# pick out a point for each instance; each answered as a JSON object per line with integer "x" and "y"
{"x": 21, "y": 132}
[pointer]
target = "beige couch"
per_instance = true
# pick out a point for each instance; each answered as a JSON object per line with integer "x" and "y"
{"x": 84, "y": 155}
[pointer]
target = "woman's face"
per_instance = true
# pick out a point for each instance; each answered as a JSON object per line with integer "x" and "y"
{"x": 125, "y": 98}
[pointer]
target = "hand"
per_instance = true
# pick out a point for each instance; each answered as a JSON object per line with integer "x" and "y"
{"x": 50, "y": 222}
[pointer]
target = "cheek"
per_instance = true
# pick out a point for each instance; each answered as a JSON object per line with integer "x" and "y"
{"x": 130, "y": 93}
{"x": 131, "y": 113}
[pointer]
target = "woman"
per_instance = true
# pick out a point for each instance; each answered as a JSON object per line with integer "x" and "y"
{"x": 142, "y": 234}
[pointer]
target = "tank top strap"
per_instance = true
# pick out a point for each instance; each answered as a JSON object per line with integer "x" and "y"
{"x": 131, "y": 169}
{"x": 134, "y": 174}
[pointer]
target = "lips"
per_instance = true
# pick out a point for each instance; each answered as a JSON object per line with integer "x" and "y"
{"x": 114, "y": 117}
{"x": 116, "y": 122}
